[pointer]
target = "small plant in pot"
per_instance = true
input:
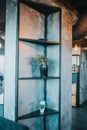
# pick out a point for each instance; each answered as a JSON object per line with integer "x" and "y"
{"x": 42, "y": 62}
{"x": 42, "y": 106}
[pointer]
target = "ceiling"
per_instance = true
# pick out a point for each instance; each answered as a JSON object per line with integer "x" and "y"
{"x": 79, "y": 29}
{"x": 2, "y": 14}
{"x": 76, "y": 4}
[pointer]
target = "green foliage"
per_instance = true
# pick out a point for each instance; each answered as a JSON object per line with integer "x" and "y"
{"x": 38, "y": 60}
{"x": 41, "y": 106}
{"x": 41, "y": 60}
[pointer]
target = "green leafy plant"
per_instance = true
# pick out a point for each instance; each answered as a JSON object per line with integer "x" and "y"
{"x": 41, "y": 60}
{"x": 38, "y": 60}
{"x": 42, "y": 105}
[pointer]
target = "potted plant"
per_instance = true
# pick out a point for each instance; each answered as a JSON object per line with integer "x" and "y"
{"x": 42, "y": 62}
{"x": 42, "y": 106}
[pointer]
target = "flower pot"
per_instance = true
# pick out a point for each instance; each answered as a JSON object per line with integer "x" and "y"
{"x": 43, "y": 70}
{"x": 42, "y": 110}
{"x": 42, "y": 106}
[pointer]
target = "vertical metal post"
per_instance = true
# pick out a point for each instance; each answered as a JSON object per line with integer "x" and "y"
{"x": 45, "y": 25}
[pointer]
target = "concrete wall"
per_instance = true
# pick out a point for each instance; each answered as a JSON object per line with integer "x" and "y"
{"x": 83, "y": 77}
{"x": 31, "y": 92}
{"x": 66, "y": 59}
{"x": 66, "y": 64}
{"x": 83, "y": 73}
{"x": 66, "y": 49}
{"x": 11, "y": 50}
{"x": 66, "y": 70}
{"x": 83, "y": 82}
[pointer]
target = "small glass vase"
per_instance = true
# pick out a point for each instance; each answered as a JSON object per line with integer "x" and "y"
{"x": 44, "y": 70}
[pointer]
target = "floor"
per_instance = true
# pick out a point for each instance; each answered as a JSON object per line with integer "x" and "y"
{"x": 79, "y": 118}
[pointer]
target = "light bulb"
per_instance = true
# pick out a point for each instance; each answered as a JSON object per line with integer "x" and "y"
{"x": 76, "y": 47}
{"x": 0, "y": 45}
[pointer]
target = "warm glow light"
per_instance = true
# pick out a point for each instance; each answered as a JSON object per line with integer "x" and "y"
{"x": 76, "y": 47}
{"x": 0, "y": 45}
{"x": 3, "y": 37}
{"x": 85, "y": 37}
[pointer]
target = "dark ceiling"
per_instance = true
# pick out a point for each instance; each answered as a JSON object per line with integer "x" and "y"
{"x": 2, "y": 14}
{"x": 79, "y": 30}
{"x": 76, "y": 4}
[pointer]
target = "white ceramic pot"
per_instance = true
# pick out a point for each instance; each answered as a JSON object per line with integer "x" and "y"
{"x": 42, "y": 110}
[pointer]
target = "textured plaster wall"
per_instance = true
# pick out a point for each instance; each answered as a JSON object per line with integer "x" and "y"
{"x": 83, "y": 82}
{"x": 11, "y": 45}
{"x": 66, "y": 59}
{"x": 66, "y": 70}
{"x": 66, "y": 52}
{"x": 32, "y": 92}
{"x": 66, "y": 63}
{"x": 29, "y": 19}
{"x": 31, "y": 26}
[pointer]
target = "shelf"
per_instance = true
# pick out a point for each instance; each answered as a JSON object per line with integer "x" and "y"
{"x": 48, "y": 44}
{"x": 42, "y": 8}
{"x": 34, "y": 78}
{"x": 39, "y": 42}
{"x": 37, "y": 114}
